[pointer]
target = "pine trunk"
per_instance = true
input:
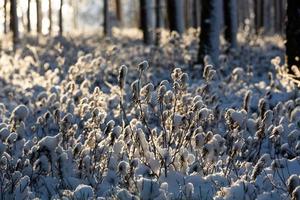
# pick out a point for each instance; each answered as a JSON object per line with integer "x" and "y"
{"x": 60, "y": 17}
{"x": 259, "y": 20}
{"x": 159, "y": 13}
{"x": 196, "y": 15}
{"x": 5, "y": 17}
{"x": 267, "y": 12}
{"x": 119, "y": 11}
{"x": 28, "y": 16}
{"x": 106, "y": 22}
{"x": 293, "y": 33}
{"x": 158, "y": 20}
{"x": 147, "y": 20}
{"x": 38, "y": 16}
{"x": 210, "y": 30}
{"x": 75, "y": 14}
{"x": 230, "y": 22}
{"x": 50, "y": 16}
{"x": 188, "y": 14}
{"x": 14, "y": 22}
{"x": 176, "y": 15}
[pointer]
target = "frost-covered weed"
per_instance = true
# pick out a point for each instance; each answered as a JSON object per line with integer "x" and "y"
{"x": 109, "y": 124}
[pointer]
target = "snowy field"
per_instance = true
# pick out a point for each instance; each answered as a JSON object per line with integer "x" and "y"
{"x": 87, "y": 118}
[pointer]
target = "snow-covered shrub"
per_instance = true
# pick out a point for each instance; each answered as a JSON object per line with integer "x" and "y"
{"x": 120, "y": 121}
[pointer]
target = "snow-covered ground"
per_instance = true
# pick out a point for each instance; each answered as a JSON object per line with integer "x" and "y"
{"x": 87, "y": 117}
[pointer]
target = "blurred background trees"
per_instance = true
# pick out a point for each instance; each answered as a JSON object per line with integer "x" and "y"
{"x": 214, "y": 18}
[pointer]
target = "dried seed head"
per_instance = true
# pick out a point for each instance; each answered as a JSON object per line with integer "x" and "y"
{"x": 207, "y": 68}
{"x": 123, "y": 167}
{"x": 135, "y": 90}
{"x": 262, "y": 104}
{"x": 143, "y": 65}
{"x": 293, "y": 182}
{"x": 184, "y": 80}
{"x": 122, "y": 76}
{"x": 176, "y": 74}
{"x": 161, "y": 92}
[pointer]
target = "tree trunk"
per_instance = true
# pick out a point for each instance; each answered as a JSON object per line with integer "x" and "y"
{"x": 196, "y": 15}
{"x": 267, "y": 20}
{"x": 5, "y": 17}
{"x": 158, "y": 20}
{"x": 283, "y": 5}
{"x": 176, "y": 15}
{"x": 187, "y": 13}
{"x": 60, "y": 17}
{"x": 75, "y": 14}
{"x": 119, "y": 11}
{"x": 259, "y": 15}
{"x": 210, "y": 30}
{"x": 28, "y": 16}
{"x": 38, "y": 16}
{"x": 147, "y": 20}
{"x": 50, "y": 16}
{"x": 159, "y": 13}
{"x": 14, "y": 22}
{"x": 106, "y": 21}
{"x": 293, "y": 33}
{"x": 230, "y": 22}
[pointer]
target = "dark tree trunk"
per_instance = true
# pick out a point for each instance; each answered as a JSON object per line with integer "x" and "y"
{"x": 106, "y": 21}
{"x": 293, "y": 33}
{"x": 230, "y": 22}
{"x": 5, "y": 17}
{"x": 14, "y": 22}
{"x": 28, "y": 16}
{"x": 282, "y": 13}
{"x": 159, "y": 13}
{"x": 267, "y": 19}
{"x": 50, "y": 16}
{"x": 176, "y": 15}
{"x": 196, "y": 14}
{"x": 187, "y": 13}
{"x": 119, "y": 11}
{"x": 259, "y": 13}
{"x": 147, "y": 20}
{"x": 60, "y": 17}
{"x": 38, "y": 16}
{"x": 158, "y": 20}
{"x": 210, "y": 30}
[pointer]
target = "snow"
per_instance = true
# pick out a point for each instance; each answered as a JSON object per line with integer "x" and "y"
{"x": 83, "y": 192}
{"x": 177, "y": 132}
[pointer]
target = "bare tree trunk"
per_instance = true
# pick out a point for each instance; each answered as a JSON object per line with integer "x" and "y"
{"x": 176, "y": 15}
{"x": 50, "y": 16}
{"x": 267, "y": 20}
{"x": 230, "y": 22}
{"x": 14, "y": 22}
{"x": 158, "y": 20}
{"x": 210, "y": 30}
{"x": 60, "y": 17}
{"x": 259, "y": 19}
{"x": 119, "y": 11}
{"x": 106, "y": 22}
{"x": 159, "y": 13}
{"x": 293, "y": 33}
{"x": 283, "y": 6}
{"x": 147, "y": 20}
{"x": 28, "y": 16}
{"x": 187, "y": 13}
{"x": 5, "y": 17}
{"x": 38, "y": 16}
{"x": 75, "y": 14}
{"x": 196, "y": 14}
